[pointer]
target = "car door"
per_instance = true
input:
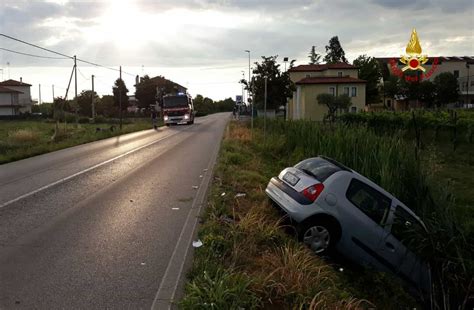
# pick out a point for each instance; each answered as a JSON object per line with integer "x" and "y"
{"x": 401, "y": 246}
{"x": 366, "y": 210}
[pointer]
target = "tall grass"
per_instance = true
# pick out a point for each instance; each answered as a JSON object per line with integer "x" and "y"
{"x": 245, "y": 239}
{"x": 395, "y": 165}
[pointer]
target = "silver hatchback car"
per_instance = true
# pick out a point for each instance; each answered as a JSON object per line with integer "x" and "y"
{"x": 336, "y": 208}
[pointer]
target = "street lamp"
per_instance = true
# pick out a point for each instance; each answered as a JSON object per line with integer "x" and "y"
{"x": 248, "y": 85}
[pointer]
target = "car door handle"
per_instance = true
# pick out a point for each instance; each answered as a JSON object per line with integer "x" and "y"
{"x": 390, "y": 246}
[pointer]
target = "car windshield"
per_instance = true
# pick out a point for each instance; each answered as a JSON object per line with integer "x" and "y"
{"x": 319, "y": 168}
{"x": 175, "y": 102}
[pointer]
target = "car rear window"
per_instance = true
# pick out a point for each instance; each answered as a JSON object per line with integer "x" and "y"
{"x": 318, "y": 167}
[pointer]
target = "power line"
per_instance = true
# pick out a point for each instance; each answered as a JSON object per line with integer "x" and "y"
{"x": 85, "y": 78}
{"x": 34, "y": 45}
{"x": 97, "y": 65}
{"x": 26, "y": 54}
{"x": 61, "y": 54}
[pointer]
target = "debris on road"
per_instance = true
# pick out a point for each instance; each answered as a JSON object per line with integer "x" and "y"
{"x": 174, "y": 208}
{"x": 201, "y": 176}
{"x": 143, "y": 264}
{"x": 197, "y": 244}
{"x": 195, "y": 187}
{"x": 238, "y": 195}
{"x": 223, "y": 194}
{"x": 131, "y": 200}
{"x": 204, "y": 170}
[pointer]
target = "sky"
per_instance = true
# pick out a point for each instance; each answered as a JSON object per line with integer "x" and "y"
{"x": 201, "y": 44}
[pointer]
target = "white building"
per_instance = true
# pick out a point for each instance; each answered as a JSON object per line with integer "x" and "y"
{"x": 15, "y": 97}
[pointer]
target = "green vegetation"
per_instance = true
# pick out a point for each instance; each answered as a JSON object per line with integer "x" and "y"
{"x": 22, "y": 139}
{"x": 245, "y": 238}
{"x": 440, "y": 125}
{"x": 204, "y": 105}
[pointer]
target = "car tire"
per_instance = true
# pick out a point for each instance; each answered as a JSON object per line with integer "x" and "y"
{"x": 321, "y": 236}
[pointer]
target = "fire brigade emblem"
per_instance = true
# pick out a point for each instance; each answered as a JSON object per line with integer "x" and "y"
{"x": 413, "y": 59}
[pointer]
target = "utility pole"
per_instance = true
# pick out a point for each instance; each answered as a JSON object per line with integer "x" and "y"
{"x": 243, "y": 78}
{"x": 39, "y": 100}
{"x": 53, "y": 92}
{"x": 75, "y": 88}
{"x": 120, "y": 97}
{"x": 249, "y": 90}
{"x": 265, "y": 112}
{"x": 92, "y": 98}
{"x": 467, "y": 94}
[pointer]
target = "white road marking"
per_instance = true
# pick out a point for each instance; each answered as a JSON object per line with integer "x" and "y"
{"x": 85, "y": 170}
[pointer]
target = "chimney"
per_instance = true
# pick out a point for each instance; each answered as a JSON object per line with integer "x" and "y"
{"x": 21, "y": 80}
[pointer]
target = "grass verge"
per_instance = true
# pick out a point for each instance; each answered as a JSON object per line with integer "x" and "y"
{"x": 23, "y": 139}
{"x": 249, "y": 260}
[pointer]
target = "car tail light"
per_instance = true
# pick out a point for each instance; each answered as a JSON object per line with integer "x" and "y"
{"x": 313, "y": 191}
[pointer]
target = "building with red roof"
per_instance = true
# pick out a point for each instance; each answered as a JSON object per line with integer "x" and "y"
{"x": 15, "y": 98}
{"x": 312, "y": 80}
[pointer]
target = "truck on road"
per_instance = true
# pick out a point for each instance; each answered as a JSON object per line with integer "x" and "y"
{"x": 178, "y": 109}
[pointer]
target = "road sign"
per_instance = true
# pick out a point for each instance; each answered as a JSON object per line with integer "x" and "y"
{"x": 238, "y": 99}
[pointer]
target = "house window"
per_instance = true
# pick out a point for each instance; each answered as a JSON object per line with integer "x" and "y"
{"x": 456, "y": 73}
{"x": 389, "y": 103}
{"x": 346, "y": 90}
{"x": 339, "y": 74}
{"x": 354, "y": 92}
{"x": 353, "y": 109}
{"x": 332, "y": 90}
{"x": 308, "y": 75}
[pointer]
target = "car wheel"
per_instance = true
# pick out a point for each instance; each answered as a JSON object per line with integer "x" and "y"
{"x": 319, "y": 236}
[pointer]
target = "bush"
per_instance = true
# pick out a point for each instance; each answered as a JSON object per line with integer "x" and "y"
{"x": 84, "y": 120}
{"x": 23, "y": 136}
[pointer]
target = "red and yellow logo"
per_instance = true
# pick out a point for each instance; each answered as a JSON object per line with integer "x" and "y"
{"x": 413, "y": 60}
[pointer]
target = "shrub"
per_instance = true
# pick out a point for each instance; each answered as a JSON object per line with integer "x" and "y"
{"x": 23, "y": 136}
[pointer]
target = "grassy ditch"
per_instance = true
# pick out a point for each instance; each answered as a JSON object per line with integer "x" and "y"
{"x": 250, "y": 259}
{"x": 22, "y": 139}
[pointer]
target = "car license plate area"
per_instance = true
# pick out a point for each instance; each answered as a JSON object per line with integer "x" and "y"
{"x": 290, "y": 178}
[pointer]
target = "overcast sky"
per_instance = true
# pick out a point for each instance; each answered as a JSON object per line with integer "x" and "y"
{"x": 200, "y": 43}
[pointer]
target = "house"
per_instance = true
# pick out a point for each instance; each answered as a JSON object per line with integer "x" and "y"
{"x": 312, "y": 80}
{"x": 167, "y": 86}
{"x": 461, "y": 67}
{"x": 15, "y": 97}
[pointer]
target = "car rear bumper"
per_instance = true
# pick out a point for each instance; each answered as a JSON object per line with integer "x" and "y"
{"x": 297, "y": 206}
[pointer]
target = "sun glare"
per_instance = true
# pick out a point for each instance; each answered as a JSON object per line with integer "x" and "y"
{"x": 123, "y": 21}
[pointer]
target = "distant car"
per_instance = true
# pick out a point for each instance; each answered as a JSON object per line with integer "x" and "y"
{"x": 336, "y": 208}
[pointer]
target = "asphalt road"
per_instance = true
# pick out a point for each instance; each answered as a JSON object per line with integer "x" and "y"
{"x": 106, "y": 224}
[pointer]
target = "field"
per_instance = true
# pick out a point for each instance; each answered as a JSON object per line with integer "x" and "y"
{"x": 25, "y": 138}
{"x": 251, "y": 259}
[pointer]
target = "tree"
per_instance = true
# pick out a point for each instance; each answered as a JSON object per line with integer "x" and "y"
{"x": 447, "y": 88}
{"x": 106, "y": 106}
{"x": 84, "y": 100}
{"x": 279, "y": 85}
{"x": 369, "y": 70}
{"x": 334, "y": 52}
{"x": 145, "y": 92}
{"x": 314, "y": 58}
{"x": 427, "y": 91}
{"x": 333, "y": 103}
{"x": 392, "y": 86}
{"x": 120, "y": 84}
